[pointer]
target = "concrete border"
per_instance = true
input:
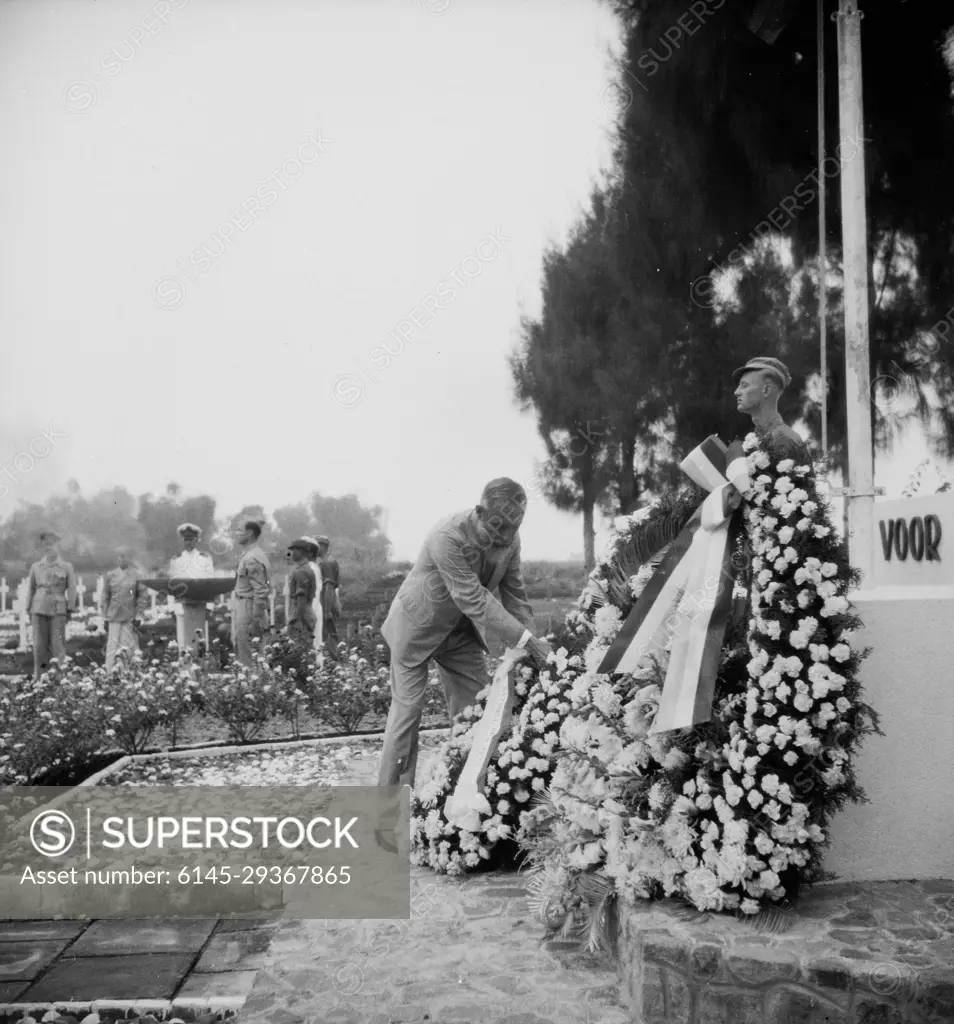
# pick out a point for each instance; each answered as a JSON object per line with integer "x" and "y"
{"x": 242, "y": 748}
{"x": 186, "y": 1007}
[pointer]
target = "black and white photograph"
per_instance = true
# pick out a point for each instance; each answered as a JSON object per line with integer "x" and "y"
{"x": 476, "y": 512}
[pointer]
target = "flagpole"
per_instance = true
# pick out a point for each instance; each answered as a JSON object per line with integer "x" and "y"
{"x": 822, "y": 247}
{"x": 860, "y": 492}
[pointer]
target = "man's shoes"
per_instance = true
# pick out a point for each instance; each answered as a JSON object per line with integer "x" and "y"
{"x": 386, "y": 838}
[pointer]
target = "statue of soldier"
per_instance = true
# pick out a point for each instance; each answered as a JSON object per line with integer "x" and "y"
{"x": 51, "y": 599}
{"x": 759, "y": 385}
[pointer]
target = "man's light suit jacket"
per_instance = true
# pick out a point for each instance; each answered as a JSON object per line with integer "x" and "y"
{"x": 445, "y": 584}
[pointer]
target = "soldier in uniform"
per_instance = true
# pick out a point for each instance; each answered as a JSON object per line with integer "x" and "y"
{"x": 252, "y": 591}
{"x": 302, "y": 589}
{"x": 192, "y": 564}
{"x": 330, "y": 605}
{"x": 123, "y": 605}
{"x": 51, "y": 599}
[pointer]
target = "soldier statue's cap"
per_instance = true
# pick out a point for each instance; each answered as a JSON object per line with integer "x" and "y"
{"x": 52, "y": 535}
{"x": 323, "y": 540}
{"x": 189, "y": 528}
{"x": 766, "y": 364}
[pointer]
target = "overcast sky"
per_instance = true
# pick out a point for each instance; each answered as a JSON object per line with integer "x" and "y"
{"x": 217, "y": 212}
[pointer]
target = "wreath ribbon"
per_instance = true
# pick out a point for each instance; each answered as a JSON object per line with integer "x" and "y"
{"x": 686, "y": 605}
{"x": 467, "y": 803}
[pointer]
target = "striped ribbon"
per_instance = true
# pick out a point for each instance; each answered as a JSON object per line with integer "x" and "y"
{"x": 467, "y": 803}
{"x": 685, "y": 607}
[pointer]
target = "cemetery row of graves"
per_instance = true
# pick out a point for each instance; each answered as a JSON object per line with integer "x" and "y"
{"x": 76, "y": 719}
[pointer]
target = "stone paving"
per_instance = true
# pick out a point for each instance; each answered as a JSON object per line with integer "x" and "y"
{"x": 473, "y": 951}
{"x": 187, "y": 964}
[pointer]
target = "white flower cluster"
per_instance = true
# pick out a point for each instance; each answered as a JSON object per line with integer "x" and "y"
{"x": 521, "y": 769}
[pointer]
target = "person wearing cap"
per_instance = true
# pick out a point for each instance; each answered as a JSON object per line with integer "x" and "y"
{"x": 330, "y": 604}
{"x": 192, "y": 564}
{"x": 123, "y": 605}
{"x": 252, "y": 591}
{"x": 443, "y": 612}
{"x": 51, "y": 599}
{"x": 312, "y": 564}
{"x": 759, "y": 385}
{"x": 302, "y": 590}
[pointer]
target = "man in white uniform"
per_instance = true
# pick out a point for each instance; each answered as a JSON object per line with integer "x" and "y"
{"x": 192, "y": 564}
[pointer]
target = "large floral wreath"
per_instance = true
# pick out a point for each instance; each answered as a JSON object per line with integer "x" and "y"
{"x": 730, "y": 815}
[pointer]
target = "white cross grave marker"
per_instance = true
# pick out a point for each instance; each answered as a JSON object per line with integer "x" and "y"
{"x": 80, "y": 592}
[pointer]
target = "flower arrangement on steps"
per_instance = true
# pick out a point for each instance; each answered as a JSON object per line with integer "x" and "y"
{"x": 729, "y": 815}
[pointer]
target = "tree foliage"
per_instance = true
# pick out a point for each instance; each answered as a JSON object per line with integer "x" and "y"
{"x": 700, "y": 250}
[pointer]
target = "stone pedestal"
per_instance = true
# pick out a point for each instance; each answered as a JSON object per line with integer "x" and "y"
{"x": 194, "y": 618}
{"x": 907, "y": 829}
{"x": 853, "y": 954}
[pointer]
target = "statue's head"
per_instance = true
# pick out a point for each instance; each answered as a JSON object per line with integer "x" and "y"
{"x": 123, "y": 557}
{"x": 500, "y": 513}
{"x": 759, "y": 384}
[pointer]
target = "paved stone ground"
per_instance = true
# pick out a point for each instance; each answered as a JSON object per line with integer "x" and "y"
{"x": 472, "y": 952}
{"x": 192, "y": 963}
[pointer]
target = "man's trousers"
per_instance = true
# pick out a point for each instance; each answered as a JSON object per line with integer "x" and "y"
{"x": 120, "y": 635}
{"x": 248, "y": 626}
{"x": 463, "y": 672}
{"x": 49, "y": 641}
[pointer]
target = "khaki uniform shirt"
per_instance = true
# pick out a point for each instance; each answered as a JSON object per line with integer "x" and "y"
{"x": 52, "y": 588}
{"x": 253, "y": 578}
{"x": 124, "y": 596}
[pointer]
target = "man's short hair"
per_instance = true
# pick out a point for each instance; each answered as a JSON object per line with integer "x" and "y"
{"x": 254, "y": 526}
{"x": 505, "y": 497}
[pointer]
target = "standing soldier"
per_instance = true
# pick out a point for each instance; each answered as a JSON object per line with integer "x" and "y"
{"x": 192, "y": 564}
{"x": 312, "y": 564}
{"x": 51, "y": 599}
{"x": 252, "y": 591}
{"x": 330, "y": 605}
{"x": 124, "y": 603}
{"x": 303, "y": 588}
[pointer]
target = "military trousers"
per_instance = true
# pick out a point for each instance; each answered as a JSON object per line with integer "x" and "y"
{"x": 49, "y": 641}
{"x": 248, "y": 625}
{"x": 120, "y": 636}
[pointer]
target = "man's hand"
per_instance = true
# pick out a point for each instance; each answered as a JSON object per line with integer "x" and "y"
{"x": 136, "y": 625}
{"x": 539, "y": 651}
